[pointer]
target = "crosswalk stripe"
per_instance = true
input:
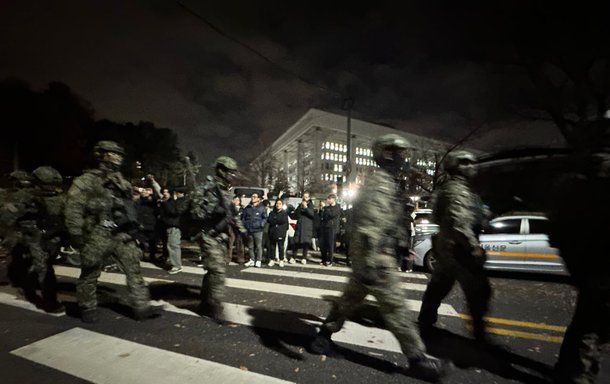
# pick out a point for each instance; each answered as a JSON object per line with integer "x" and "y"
{"x": 104, "y": 359}
{"x": 15, "y": 300}
{"x": 105, "y": 277}
{"x": 351, "y": 333}
{"x": 285, "y": 289}
{"x": 413, "y": 275}
{"x": 318, "y": 277}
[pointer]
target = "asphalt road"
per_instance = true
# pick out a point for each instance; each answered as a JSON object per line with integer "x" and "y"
{"x": 272, "y": 315}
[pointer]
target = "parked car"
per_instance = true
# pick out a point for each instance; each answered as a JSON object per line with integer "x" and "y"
{"x": 517, "y": 242}
{"x": 423, "y": 222}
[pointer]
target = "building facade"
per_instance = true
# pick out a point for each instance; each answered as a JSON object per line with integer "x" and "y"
{"x": 313, "y": 152}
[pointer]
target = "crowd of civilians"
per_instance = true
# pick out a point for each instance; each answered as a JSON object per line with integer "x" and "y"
{"x": 160, "y": 211}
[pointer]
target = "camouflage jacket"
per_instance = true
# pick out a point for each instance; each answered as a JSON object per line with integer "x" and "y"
{"x": 92, "y": 198}
{"x": 459, "y": 213}
{"x": 378, "y": 221}
{"x": 51, "y": 217}
{"x": 211, "y": 208}
{"x": 18, "y": 214}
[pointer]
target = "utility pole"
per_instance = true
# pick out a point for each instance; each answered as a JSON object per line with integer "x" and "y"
{"x": 348, "y": 104}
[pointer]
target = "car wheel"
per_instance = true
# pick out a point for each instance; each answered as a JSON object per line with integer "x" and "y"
{"x": 429, "y": 261}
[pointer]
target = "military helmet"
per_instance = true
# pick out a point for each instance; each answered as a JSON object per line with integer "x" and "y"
{"x": 389, "y": 141}
{"x": 21, "y": 176}
{"x": 108, "y": 146}
{"x": 455, "y": 158}
{"x": 226, "y": 162}
{"x": 47, "y": 175}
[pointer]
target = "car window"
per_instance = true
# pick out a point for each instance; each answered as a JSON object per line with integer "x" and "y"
{"x": 538, "y": 226}
{"x": 508, "y": 226}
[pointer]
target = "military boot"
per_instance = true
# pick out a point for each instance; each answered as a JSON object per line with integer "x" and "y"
{"x": 429, "y": 368}
{"x": 213, "y": 311}
{"x": 322, "y": 344}
{"x": 145, "y": 313}
{"x": 90, "y": 315}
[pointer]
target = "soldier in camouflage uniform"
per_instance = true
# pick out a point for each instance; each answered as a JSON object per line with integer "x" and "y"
{"x": 377, "y": 221}
{"x": 101, "y": 219}
{"x": 50, "y": 222}
{"x": 584, "y": 248}
{"x": 213, "y": 212}
{"x": 459, "y": 213}
{"x": 21, "y": 235}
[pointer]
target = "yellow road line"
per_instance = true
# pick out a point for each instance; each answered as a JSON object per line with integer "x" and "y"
{"x": 525, "y": 335}
{"x": 518, "y": 323}
{"x": 529, "y": 255}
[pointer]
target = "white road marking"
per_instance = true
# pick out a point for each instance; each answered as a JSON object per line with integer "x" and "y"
{"x": 15, "y": 300}
{"x": 284, "y": 289}
{"x": 351, "y": 333}
{"x": 319, "y": 277}
{"x": 413, "y": 275}
{"x": 105, "y": 277}
{"x": 104, "y": 359}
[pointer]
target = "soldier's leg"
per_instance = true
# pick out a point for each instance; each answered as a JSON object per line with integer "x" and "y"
{"x": 477, "y": 290}
{"x": 49, "y": 282}
{"x": 579, "y": 357}
{"x": 36, "y": 271}
{"x": 353, "y": 295}
{"x": 91, "y": 261}
{"x": 394, "y": 312}
{"x": 441, "y": 282}
{"x": 213, "y": 284}
{"x": 127, "y": 255}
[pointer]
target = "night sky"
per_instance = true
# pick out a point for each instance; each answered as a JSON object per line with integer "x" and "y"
{"x": 436, "y": 70}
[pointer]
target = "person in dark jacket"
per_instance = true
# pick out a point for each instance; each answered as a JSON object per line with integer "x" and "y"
{"x": 147, "y": 216}
{"x": 278, "y": 226}
{"x": 330, "y": 225}
{"x": 304, "y": 215}
{"x": 236, "y": 243}
{"x": 254, "y": 217}
{"x": 171, "y": 210}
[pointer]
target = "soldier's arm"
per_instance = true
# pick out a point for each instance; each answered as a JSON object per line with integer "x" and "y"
{"x": 458, "y": 220}
{"x": 74, "y": 212}
{"x": 372, "y": 203}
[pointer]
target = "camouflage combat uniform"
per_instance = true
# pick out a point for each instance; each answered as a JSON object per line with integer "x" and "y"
{"x": 583, "y": 239}
{"x": 50, "y": 222}
{"x": 213, "y": 212}
{"x": 458, "y": 212}
{"x": 376, "y": 218}
{"x": 100, "y": 216}
{"x": 18, "y": 215}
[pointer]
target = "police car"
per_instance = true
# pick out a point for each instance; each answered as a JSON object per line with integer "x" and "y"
{"x": 517, "y": 242}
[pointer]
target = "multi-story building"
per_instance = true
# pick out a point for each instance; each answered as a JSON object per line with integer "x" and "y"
{"x": 314, "y": 151}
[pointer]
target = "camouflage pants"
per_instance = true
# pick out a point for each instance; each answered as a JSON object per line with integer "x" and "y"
{"x": 392, "y": 307}
{"x": 41, "y": 272}
{"x": 125, "y": 252}
{"x": 579, "y": 358}
{"x": 473, "y": 281}
{"x": 213, "y": 258}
